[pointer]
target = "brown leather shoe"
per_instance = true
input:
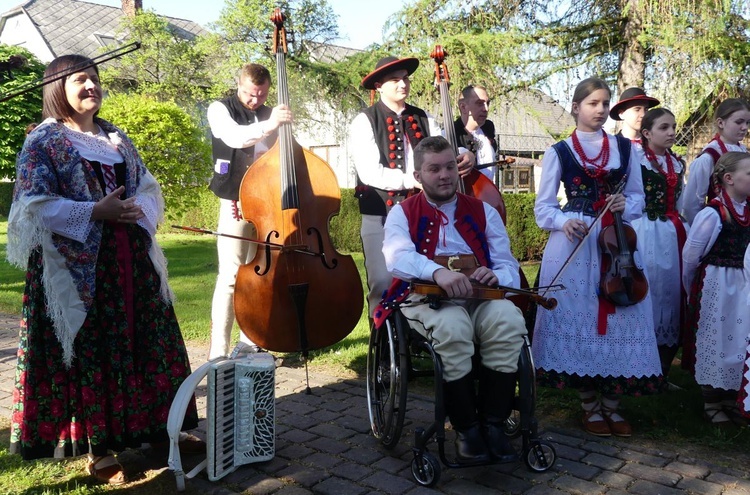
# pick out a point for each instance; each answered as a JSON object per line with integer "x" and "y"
{"x": 598, "y": 427}
{"x": 619, "y": 428}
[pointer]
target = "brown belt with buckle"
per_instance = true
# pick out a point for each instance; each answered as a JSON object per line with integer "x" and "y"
{"x": 464, "y": 263}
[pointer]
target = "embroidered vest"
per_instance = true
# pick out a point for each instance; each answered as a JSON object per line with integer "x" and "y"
{"x": 466, "y": 140}
{"x": 729, "y": 248}
{"x": 583, "y": 191}
{"x": 389, "y": 129}
{"x": 658, "y": 200}
{"x": 470, "y": 222}
{"x": 226, "y": 183}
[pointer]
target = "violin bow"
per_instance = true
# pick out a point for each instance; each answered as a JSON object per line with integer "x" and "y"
{"x": 599, "y": 216}
{"x": 247, "y": 239}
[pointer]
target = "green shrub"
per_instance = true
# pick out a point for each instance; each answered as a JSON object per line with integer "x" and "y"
{"x": 345, "y": 226}
{"x": 6, "y": 196}
{"x": 527, "y": 240}
{"x": 204, "y": 215}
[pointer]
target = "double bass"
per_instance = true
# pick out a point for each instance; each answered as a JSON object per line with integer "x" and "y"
{"x": 298, "y": 293}
{"x": 474, "y": 183}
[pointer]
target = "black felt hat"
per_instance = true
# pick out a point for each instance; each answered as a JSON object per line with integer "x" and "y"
{"x": 628, "y": 98}
{"x": 387, "y": 65}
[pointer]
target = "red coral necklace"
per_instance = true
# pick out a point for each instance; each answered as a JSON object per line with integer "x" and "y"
{"x": 596, "y": 163}
{"x": 730, "y": 206}
{"x": 670, "y": 174}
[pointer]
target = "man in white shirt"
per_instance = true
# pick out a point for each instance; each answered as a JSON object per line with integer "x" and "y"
{"x": 474, "y": 131}
{"x": 424, "y": 236}
{"x": 382, "y": 138}
{"x": 242, "y": 128}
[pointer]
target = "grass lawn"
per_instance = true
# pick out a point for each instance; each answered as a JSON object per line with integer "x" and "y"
{"x": 670, "y": 421}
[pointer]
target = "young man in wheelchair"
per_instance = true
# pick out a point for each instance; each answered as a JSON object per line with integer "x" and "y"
{"x": 455, "y": 241}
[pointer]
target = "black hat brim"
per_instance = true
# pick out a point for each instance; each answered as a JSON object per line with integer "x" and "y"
{"x": 614, "y": 112}
{"x": 409, "y": 64}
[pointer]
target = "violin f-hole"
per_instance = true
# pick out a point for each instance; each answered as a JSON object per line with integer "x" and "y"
{"x": 321, "y": 249}
{"x": 267, "y": 255}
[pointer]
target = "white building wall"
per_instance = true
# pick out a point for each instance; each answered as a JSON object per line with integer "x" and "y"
{"x": 18, "y": 30}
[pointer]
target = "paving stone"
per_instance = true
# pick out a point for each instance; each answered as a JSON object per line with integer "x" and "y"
{"x": 728, "y": 481}
{"x": 504, "y": 482}
{"x": 578, "y": 486}
{"x": 568, "y": 452}
{"x": 322, "y": 460}
{"x": 329, "y": 445}
{"x": 614, "y": 480}
{"x": 293, "y": 490}
{"x": 294, "y": 435}
{"x": 643, "y": 487}
{"x": 577, "y": 469}
{"x": 294, "y": 452}
{"x": 641, "y": 472}
{"x": 351, "y": 470}
{"x": 327, "y": 430}
{"x": 601, "y": 448}
{"x": 689, "y": 470}
{"x": 603, "y": 461}
{"x": 643, "y": 458}
{"x": 545, "y": 490}
{"x": 260, "y": 485}
{"x": 338, "y": 486}
{"x": 307, "y": 477}
{"x": 388, "y": 483}
{"x": 700, "y": 487}
{"x": 465, "y": 486}
{"x": 563, "y": 439}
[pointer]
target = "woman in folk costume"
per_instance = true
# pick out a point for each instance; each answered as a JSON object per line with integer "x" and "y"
{"x": 717, "y": 337}
{"x": 744, "y": 396}
{"x": 661, "y": 231}
{"x": 101, "y": 355}
{"x": 731, "y": 118}
{"x": 586, "y": 342}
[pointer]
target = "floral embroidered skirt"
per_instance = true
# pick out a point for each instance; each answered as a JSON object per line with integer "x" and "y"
{"x": 118, "y": 392}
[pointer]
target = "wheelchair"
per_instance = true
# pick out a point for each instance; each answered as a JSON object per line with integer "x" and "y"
{"x": 396, "y": 355}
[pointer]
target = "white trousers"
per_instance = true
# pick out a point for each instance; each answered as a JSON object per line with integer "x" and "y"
{"x": 232, "y": 253}
{"x": 378, "y": 277}
{"x": 497, "y": 326}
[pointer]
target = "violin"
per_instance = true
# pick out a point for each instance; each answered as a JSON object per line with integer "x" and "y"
{"x": 622, "y": 282}
{"x": 298, "y": 293}
{"x": 480, "y": 291}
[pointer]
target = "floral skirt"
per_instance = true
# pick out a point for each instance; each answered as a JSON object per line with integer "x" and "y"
{"x": 119, "y": 389}
{"x": 610, "y": 385}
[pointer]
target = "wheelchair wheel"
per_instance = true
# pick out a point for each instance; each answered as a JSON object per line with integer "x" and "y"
{"x": 426, "y": 469}
{"x": 540, "y": 456}
{"x": 387, "y": 362}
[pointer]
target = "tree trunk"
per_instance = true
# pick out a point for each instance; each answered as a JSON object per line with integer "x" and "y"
{"x": 632, "y": 53}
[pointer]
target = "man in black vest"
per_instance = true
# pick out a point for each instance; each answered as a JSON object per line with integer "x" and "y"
{"x": 382, "y": 138}
{"x": 473, "y": 131}
{"x": 242, "y": 128}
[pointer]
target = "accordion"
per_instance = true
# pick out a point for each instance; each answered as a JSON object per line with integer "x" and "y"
{"x": 240, "y": 415}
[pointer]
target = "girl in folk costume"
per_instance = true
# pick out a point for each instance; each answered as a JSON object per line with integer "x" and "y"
{"x": 716, "y": 341}
{"x": 744, "y": 396}
{"x": 586, "y": 342}
{"x": 732, "y": 118}
{"x": 101, "y": 355}
{"x": 661, "y": 232}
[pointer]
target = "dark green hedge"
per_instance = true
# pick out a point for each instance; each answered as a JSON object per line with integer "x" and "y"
{"x": 527, "y": 241}
{"x": 6, "y": 196}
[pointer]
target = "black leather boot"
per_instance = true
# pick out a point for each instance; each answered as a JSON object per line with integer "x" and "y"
{"x": 460, "y": 406}
{"x": 496, "y": 392}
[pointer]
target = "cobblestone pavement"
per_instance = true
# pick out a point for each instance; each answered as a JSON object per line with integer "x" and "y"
{"x": 323, "y": 446}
